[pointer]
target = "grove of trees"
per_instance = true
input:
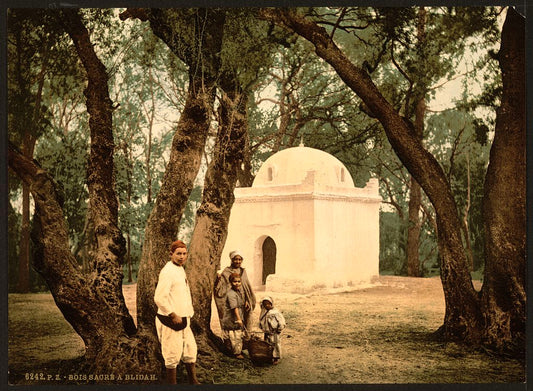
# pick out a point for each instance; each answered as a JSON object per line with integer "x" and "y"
{"x": 132, "y": 127}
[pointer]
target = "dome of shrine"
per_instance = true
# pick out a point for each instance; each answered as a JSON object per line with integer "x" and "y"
{"x": 292, "y": 165}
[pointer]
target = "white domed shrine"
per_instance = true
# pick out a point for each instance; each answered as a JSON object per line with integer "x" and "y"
{"x": 303, "y": 225}
{"x": 291, "y": 166}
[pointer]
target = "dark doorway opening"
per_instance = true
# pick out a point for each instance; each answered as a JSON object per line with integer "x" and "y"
{"x": 269, "y": 258}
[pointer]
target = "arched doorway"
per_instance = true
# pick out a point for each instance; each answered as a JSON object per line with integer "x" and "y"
{"x": 269, "y": 258}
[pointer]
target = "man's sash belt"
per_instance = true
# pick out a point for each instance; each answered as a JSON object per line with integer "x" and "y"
{"x": 167, "y": 321}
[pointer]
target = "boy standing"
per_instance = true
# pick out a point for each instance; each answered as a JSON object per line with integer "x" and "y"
{"x": 174, "y": 311}
{"x": 271, "y": 321}
{"x": 232, "y": 322}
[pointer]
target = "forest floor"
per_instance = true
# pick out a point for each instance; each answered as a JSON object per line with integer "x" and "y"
{"x": 379, "y": 334}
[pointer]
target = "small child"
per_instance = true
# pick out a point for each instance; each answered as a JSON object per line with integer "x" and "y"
{"x": 232, "y": 321}
{"x": 272, "y": 322}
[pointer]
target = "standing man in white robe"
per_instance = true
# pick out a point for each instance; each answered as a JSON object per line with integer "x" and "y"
{"x": 174, "y": 311}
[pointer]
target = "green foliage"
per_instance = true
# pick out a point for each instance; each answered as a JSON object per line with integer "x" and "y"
{"x": 148, "y": 84}
{"x": 454, "y": 140}
{"x": 13, "y": 222}
{"x": 407, "y": 59}
{"x": 420, "y": 62}
{"x": 188, "y": 219}
{"x": 392, "y": 244}
{"x": 37, "y": 283}
{"x": 396, "y": 22}
{"x": 65, "y": 156}
{"x": 481, "y": 132}
{"x": 41, "y": 67}
{"x": 30, "y": 41}
{"x": 320, "y": 108}
{"x": 248, "y": 46}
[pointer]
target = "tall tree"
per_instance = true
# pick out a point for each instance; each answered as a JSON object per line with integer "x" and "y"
{"x": 503, "y": 299}
{"x": 221, "y": 54}
{"x": 465, "y": 317}
{"x": 310, "y": 105}
{"x": 418, "y": 66}
{"x": 26, "y": 110}
{"x": 415, "y": 192}
{"x": 141, "y": 129}
{"x": 196, "y": 50}
{"x": 212, "y": 217}
{"x": 92, "y": 303}
{"x": 222, "y": 36}
{"x": 195, "y": 36}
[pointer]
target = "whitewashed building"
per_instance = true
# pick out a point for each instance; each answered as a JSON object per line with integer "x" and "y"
{"x": 303, "y": 225}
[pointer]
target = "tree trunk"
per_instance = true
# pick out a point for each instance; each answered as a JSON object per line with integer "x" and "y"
{"x": 245, "y": 177}
{"x": 462, "y": 318}
{"x": 89, "y": 243}
{"x": 415, "y": 192}
{"x": 504, "y": 291}
{"x": 128, "y": 257}
{"x": 88, "y": 302}
{"x": 23, "y": 283}
{"x": 187, "y": 147}
{"x": 182, "y": 169}
{"x": 466, "y": 212}
{"x": 92, "y": 303}
{"x": 284, "y": 117}
{"x": 148, "y": 147}
{"x": 128, "y": 159}
{"x": 212, "y": 217}
{"x": 415, "y": 203}
{"x": 413, "y": 230}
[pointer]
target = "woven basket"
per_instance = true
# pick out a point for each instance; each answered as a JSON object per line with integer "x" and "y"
{"x": 260, "y": 351}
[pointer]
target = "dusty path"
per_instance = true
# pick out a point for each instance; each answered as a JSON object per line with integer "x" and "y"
{"x": 378, "y": 334}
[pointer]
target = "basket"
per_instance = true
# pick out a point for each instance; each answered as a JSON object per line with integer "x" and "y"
{"x": 260, "y": 351}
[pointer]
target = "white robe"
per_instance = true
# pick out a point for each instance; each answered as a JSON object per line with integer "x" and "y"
{"x": 172, "y": 294}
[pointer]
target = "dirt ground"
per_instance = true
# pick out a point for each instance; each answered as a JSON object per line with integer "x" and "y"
{"x": 381, "y": 333}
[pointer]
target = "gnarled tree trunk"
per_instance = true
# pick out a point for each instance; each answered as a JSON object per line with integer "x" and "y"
{"x": 199, "y": 51}
{"x": 162, "y": 226}
{"x": 462, "y": 318}
{"x": 504, "y": 291}
{"x": 415, "y": 202}
{"x": 212, "y": 217}
{"x": 498, "y": 316}
{"x": 415, "y": 192}
{"x": 93, "y": 302}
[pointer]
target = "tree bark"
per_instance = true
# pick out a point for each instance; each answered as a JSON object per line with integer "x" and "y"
{"x": 462, "y": 318}
{"x": 504, "y": 292}
{"x": 213, "y": 214}
{"x": 415, "y": 202}
{"x": 187, "y": 147}
{"x": 415, "y": 192}
{"x": 23, "y": 283}
{"x": 413, "y": 230}
{"x": 182, "y": 169}
{"x": 466, "y": 212}
{"x": 92, "y": 303}
{"x": 128, "y": 158}
{"x": 86, "y": 301}
{"x": 245, "y": 176}
{"x": 106, "y": 269}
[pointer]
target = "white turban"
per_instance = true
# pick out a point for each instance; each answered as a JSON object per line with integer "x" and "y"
{"x": 234, "y": 253}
